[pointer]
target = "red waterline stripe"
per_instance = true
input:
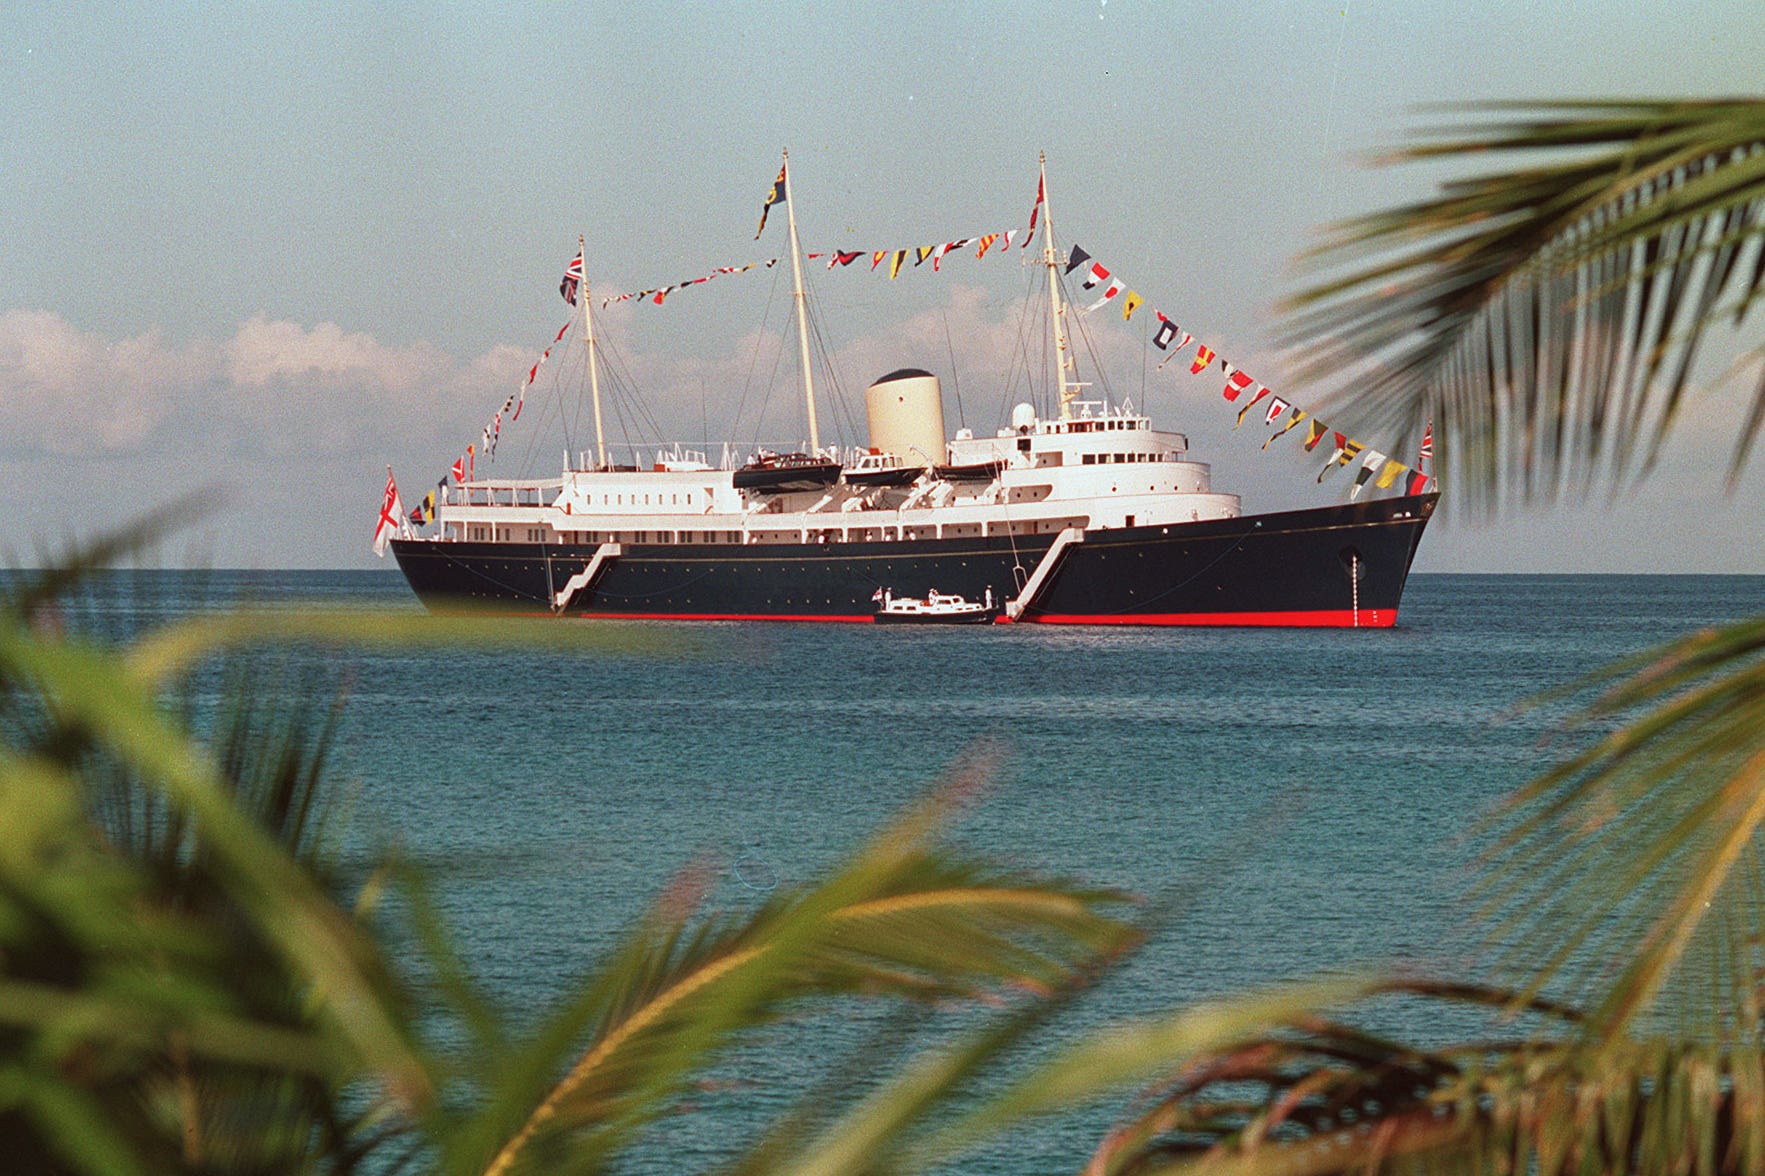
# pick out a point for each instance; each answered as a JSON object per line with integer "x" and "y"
{"x": 1321, "y": 619}
{"x": 677, "y": 616}
{"x": 1343, "y": 618}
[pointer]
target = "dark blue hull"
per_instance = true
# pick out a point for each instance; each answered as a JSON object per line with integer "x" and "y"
{"x": 1328, "y": 566}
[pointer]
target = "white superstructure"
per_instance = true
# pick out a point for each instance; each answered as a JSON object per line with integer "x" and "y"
{"x": 1101, "y": 468}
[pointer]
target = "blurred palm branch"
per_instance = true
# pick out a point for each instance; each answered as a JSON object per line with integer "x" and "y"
{"x": 1548, "y": 319}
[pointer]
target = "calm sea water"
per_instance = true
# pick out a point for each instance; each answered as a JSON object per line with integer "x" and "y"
{"x": 1303, "y": 796}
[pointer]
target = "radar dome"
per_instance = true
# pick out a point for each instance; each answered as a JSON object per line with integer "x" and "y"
{"x": 1023, "y": 417}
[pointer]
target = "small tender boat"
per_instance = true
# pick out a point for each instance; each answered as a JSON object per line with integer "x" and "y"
{"x": 975, "y": 471}
{"x": 783, "y": 473}
{"x": 936, "y": 608}
{"x": 882, "y": 469}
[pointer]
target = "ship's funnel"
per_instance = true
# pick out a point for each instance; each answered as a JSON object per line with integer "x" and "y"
{"x": 905, "y": 410}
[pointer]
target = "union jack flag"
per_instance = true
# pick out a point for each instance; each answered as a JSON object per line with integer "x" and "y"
{"x": 572, "y": 279}
{"x": 1427, "y": 453}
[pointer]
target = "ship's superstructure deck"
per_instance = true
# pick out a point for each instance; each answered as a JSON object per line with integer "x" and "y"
{"x": 1109, "y": 469}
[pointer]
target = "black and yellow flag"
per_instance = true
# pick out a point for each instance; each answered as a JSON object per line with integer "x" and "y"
{"x": 1299, "y": 414}
{"x": 776, "y": 196}
{"x": 1261, "y": 391}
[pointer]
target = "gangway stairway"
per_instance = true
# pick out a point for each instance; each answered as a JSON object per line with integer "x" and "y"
{"x": 603, "y": 553}
{"x": 1014, "y": 608}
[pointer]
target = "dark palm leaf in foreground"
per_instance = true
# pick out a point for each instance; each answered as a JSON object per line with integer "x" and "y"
{"x": 1547, "y": 318}
{"x": 1321, "y": 1098}
{"x": 180, "y": 990}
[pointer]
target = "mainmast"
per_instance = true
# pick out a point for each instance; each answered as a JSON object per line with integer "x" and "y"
{"x": 790, "y": 208}
{"x": 1063, "y": 360}
{"x": 594, "y": 371}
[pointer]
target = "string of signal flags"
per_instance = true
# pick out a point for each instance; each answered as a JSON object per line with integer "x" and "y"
{"x": 1253, "y": 397}
{"x": 1280, "y": 414}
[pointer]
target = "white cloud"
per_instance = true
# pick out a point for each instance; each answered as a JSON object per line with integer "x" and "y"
{"x": 273, "y": 385}
{"x": 263, "y": 353}
{"x": 65, "y": 391}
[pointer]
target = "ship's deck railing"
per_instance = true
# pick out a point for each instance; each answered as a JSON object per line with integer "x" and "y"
{"x": 504, "y": 492}
{"x": 643, "y": 459}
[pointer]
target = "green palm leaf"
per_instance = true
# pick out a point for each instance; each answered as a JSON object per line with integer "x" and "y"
{"x": 903, "y": 918}
{"x": 1305, "y": 1096}
{"x": 1632, "y": 870}
{"x": 1547, "y": 319}
{"x": 118, "y": 712}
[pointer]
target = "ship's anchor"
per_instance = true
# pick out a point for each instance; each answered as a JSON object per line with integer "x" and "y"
{"x": 1354, "y": 576}
{"x": 1351, "y": 558}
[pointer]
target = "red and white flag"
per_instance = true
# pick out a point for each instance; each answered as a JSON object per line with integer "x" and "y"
{"x": 1237, "y": 379}
{"x": 1426, "y": 456}
{"x": 1114, "y": 289}
{"x": 1041, "y": 198}
{"x": 459, "y": 470}
{"x": 391, "y": 516}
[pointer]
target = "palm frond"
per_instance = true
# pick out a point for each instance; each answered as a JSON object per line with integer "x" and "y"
{"x": 1547, "y": 319}
{"x": 902, "y": 919}
{"x": 87, "y": 691}
{"x": 887, "y": 1131}
{"x": 1311, "y": 1097}
{"x": 161, "y": 656}
{"x": 1632, "y": 869}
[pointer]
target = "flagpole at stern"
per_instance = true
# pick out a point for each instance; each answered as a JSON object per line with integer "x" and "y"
{"x": 790, "y": 209}
{"x": 594, "y": 371}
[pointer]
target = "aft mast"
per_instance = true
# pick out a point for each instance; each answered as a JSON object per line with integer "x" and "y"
{"x": 594, "y": 372}
{"x": 1063, "y": 359}
{"x": 790, "y": 208}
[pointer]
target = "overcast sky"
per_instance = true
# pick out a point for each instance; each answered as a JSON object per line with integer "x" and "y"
{"x": 262, "y": 251}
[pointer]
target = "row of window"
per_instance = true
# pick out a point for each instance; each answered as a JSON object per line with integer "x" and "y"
{"x": 619, "y": 500}
{"x": 483, "y": 534}
{"x": 1100, "y": 426}
{"x": 1120, "y": 458}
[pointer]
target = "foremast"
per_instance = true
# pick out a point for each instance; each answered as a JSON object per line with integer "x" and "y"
{"x": 594, "y": 371}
